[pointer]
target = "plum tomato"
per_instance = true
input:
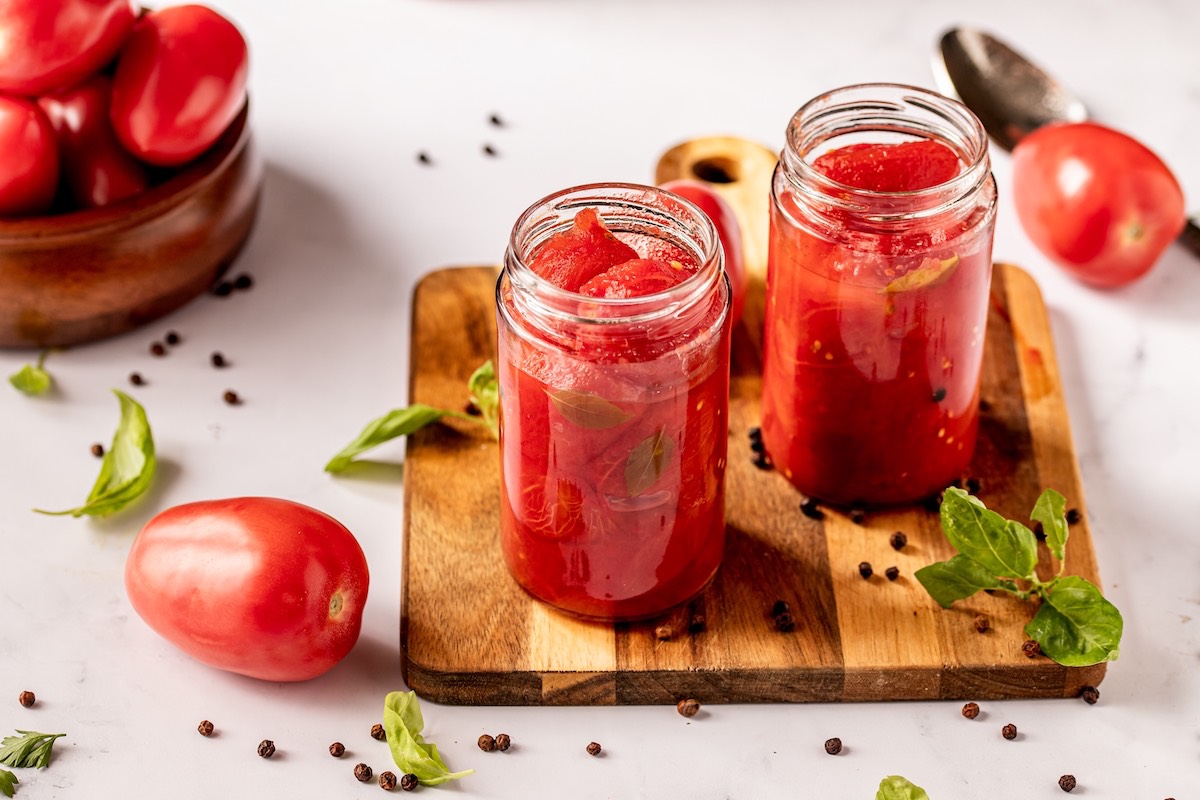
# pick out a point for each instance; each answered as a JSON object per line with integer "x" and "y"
{"x": 1095, "y": 201}
{"x": 51, "y": 44}
{"x": 890, "y": 167}
{"x": 728, "y": 231}
{"x": 571, "y": 258}
{"x": 96, "y": 169}
{"x": 29, "y": 168}
{"x": 180, "y": 82}
{"x": 255, "y": 585}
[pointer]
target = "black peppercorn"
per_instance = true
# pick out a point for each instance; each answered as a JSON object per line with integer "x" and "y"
{"x": 688, "y": 707}
{"x": 833, "y": 746}
{"x": 205, "y": 728}
{"x": 486, "y": 743}
{"x": 810, "y": 509}
{"x": 408, "y": 782}
{"x": 1073, "y": 516}
{"x": 1009, "y": 731}
{"x": 503, "y": 741}
{"x": 424, "y": 158}
{"x": 136, "y": 378}
{"x": 865, "y": 570}
{"x": 593, "y": 749}
{"x": 970, "y": 710}
{"x": 472, "y": 409}
{"x": 973, "y": 485}
{"x": 1039, "y": 532}
{"x": 218, "y": 360}
{"x": 697, "y": 623}
{"x": 27, "y": 699}
{"x": 785, "y": 622}
{"x": 892, "y": 573}
{"x": 780, "y": 607}
{"x": 266, "y": 748}
{"x": 495, "y": 120}
{"x": 231, "y": 397}
{"x": 488, "y": 150}
{"x": 337, "y": 749}
{"x": 939, "y": 394}
{"x": 1067, "y": 783}
{"x": 982, "y": 623}
{"x": 223, "y": 289}
{"x": 363, "y": 772}
{"x": 898, "y": 540}
{"x": 762, "y": 461}
{"x": 158, "y": 349}
{"x": 1090, "y": 695}
{"x": 933, "y": 503}
{"x": 98, "y": 450}
{"x": 857, "y": 515}
{"x": 172, "y": 338}
{"x": 377, "y": 732}
{"x": 387, "y": 781}
{"x": 243, "y": 282}
{"x": 664, "y": 632}
{"x": 1031, "y": 648}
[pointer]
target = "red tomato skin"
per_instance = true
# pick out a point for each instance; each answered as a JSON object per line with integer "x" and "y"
{"x": 248, "y": 585}
{"x": 53, "y": 44}
{"x": 29, "y": 162}
{"x": 180, "y": 82}
{"x": 1095, "y": 201}
{"x": 729, "y": 232}
{"x": 95, "y": 168}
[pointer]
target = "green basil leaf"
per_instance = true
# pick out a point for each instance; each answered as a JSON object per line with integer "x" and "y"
{"x": 29, "y": 749}
{"x": 8, "y": 783}
{"x": 894, "y": 787}
{"x": 931, "y": 272}
{"x": 399, "y": 422}
{"x": 588, "y": 410}
{"x": 647, "y": 462}
{"x": 485, "y": 394}
{"x": 128, "y": 466}
{"x": 402, "y": 721}
{"x": 1000, "y": 546}
{"x": 31, "y": 379}
{"x": 1051, "y": 511}
{"x": 956, "y": 579}
{"x": 1076, "y": 626}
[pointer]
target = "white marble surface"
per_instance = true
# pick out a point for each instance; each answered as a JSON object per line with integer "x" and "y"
{"x": 345, "y": 95}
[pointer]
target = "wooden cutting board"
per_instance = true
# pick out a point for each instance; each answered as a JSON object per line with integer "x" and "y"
{"x": 469, "y": 634}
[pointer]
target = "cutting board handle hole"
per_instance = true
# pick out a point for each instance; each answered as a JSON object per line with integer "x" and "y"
{"x": 718, "y": 169}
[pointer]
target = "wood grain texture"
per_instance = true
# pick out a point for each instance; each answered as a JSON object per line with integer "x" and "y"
{"x": 470, "y": 635}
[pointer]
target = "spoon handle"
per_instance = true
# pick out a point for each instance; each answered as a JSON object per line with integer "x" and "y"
{"x": 1190, "y": 238}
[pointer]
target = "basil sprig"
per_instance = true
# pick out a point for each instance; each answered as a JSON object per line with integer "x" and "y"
{"x": 402, "y": 722}
{"x": 894, "y": 787}
{"x": 128, "y": 466}
{"x": 485, "y": 394}
{"x": 1074, "y": 624}
{"x": 32, "y": 379}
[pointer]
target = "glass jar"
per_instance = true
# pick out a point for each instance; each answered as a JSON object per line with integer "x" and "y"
{"x": 614, "y": 414}
{"x": 876, "y": 304}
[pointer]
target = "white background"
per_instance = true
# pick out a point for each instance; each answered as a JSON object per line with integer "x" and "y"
{"x": 344, "y": 96}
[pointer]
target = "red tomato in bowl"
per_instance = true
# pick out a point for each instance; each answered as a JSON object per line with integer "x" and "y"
{"x": 29, "y": 164}
{"x": 96, "y": 169}
{"x": 254, "y": 585}
{"x": 180, "y": 82}
{"x": 729, "y": 232}
{"x": 51, "y": 44}
{"x": 1095, "y": 201}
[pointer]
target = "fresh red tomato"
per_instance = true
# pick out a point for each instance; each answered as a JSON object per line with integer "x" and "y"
{"x": 180, "y": 82}
{"x": 254, "y": 585}
{"x": 29, "y": 166}
{"x": 728, "y": 231}
{"x": 96, "y": 169}
{"x": 1095, "y": 201}
{"x": 51, "y": 44}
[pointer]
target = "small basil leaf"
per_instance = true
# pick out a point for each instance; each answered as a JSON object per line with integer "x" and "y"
{"x": 31, "y": 379}
{"x": 399, "y": 422}
{"x": 931, "y": 272}
{"x": 1051, "y": 511}
{"x": 1001, "y": 547}
{"x": 647, "y": 461}
{"x": 128, "y": 466}
{"x": 894, "y": 787}
{"x": 402, "y": 721}
{"x": 588, "y": 410}
{"x": 956, "y": 579}
{"x": 30, "y": 749}
{"x": 8, "y": 783}
{"x": 1076, "y": 626}
{"x": 485, "y": 394}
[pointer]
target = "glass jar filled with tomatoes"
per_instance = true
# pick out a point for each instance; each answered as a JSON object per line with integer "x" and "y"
{"x": 613, "y": 364}
{"x": 883, "y": 207}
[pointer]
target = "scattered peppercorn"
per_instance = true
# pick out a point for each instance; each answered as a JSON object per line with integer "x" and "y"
{"x": 1067, "y": 783}
{"x": 956, "y": 483}
{"x": 136, "y": 378}
{"x": 408, "y": 782}
{"x": 933, "y": 503}
{"x": 423, "y": 157}
{"x": 27, "y": 699}
{"x": 810, "y": 509}
{"x": 205, "y": 728}
{"x": 489, "y": 150}
{"x": 593, "y": 749}
{"x": 1090, "y": 695}
{"x": 158, "y": 349}
{"x": 1039, "y": 532}
{"x": 857, "y": 515}
{"x": 898, "y": 540}
{"x": 495, "y": 120}
{"x": 266, "y": 748}
{"x": 98, "y": 450}
{"x": 780, "y": 607}
{"x": 865, "y": 570}
{"x": 664, "y": 632}
{"x": 697, "y": 623}
{"x": 688, "y": 707}
{"x": 892, "y": 573}
{"x": 173, "y": 338}
{"x": 503, "y": 742}
{"x": 243, "y": 282}
{"x": 1031, "y": 648}
{"x": 363, "y": 772}
{"x": 337, "y": 749}
{"x": 1073, "y": 516}
{"x": 833, "y": 746}
{"x": 982, "y": 623}
{"x": 218, "y": 360}
{"x": 377, "y": 732}
{"x": 973, "y": 485}
{"x": 762, "y": 461}
{"x": 1009, "y": 731}
{"x": 387, "y": 781}
{"x": 970, "y": 710}
{"x": 486, "y": 743}
{"x": 939, "y": 394}
{"x": 472, "y": 409}
{"x": 231, "y": 397}
{"x": 223, "y": 289}
{"x": 984, "y": 405}
{"x": 785, "y": 622}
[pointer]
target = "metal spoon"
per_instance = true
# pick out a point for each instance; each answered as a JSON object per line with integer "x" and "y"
{"x": 1010, "y": 94}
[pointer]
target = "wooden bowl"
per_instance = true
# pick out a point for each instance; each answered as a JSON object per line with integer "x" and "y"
{"x": 85, "y": 275}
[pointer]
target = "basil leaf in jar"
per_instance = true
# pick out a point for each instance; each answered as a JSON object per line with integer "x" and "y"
{"x": 930, "y": 272}
{"x": 588, "y": 410}
{"x": 647, "y": 462}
